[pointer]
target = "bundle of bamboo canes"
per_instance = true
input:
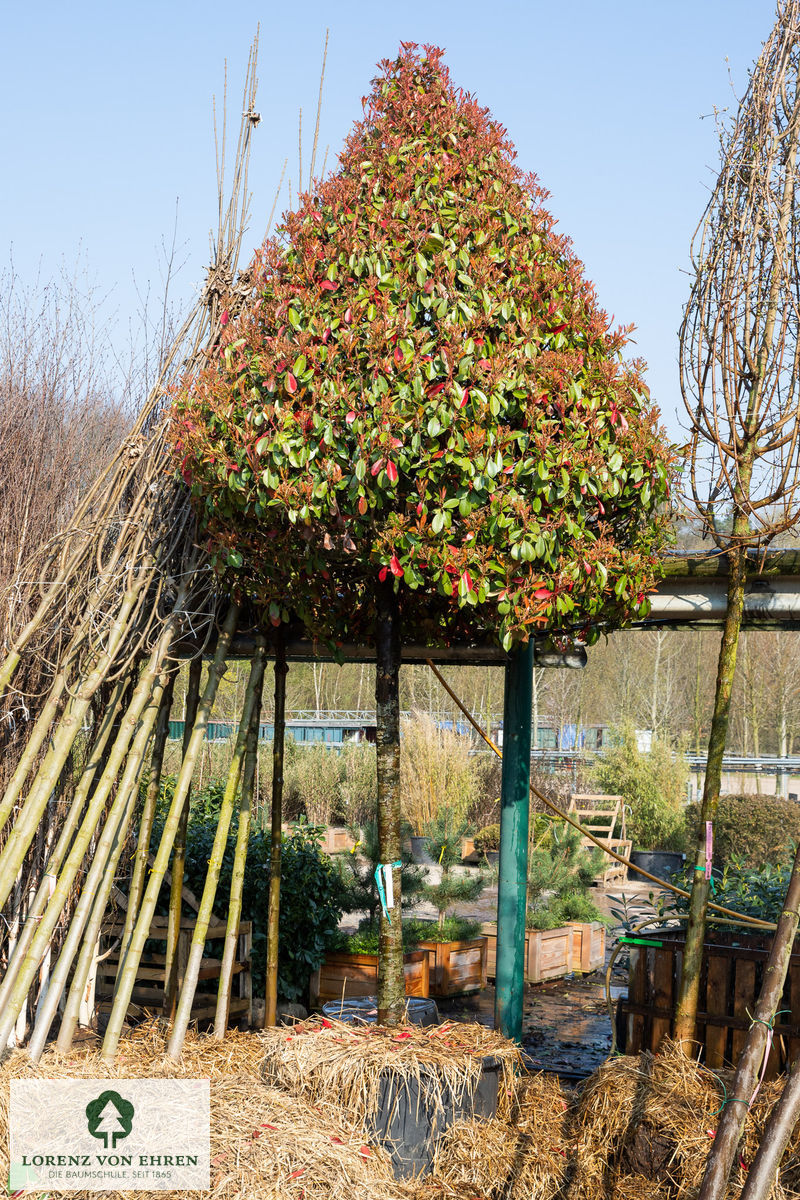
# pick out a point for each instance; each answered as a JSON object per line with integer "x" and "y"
{"x": 107, "y": 610}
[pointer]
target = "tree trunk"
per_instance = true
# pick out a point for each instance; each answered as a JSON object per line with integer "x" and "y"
{"x": 391, "y": 979}
{"x": 731, "y": 1123}
{"x": 179, "y": 854}
{"x": 276, "y": 831}
{"x": 686, "y": 1010}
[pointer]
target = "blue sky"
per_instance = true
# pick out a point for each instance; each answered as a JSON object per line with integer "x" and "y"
{"x": 107, "y": 123}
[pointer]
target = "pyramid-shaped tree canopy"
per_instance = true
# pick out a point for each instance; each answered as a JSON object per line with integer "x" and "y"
{"x": 425, "y": 387}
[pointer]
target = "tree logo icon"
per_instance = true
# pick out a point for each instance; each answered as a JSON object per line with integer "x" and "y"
{"x": 110, "y": 1118}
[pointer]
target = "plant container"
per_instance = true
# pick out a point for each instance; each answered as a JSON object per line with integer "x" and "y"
{"x": 661, "y": 863}
{"x": 588, "y": 945}
{"x": 344, "y": 976}
{"x": 410, "y": 1120}
{"x": 419, "y": 851}
{"x": 456, "y": 968}
{"x": 548, "y": 952}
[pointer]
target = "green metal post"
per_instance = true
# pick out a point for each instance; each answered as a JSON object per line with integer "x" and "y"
{"x": 513, "y": 882}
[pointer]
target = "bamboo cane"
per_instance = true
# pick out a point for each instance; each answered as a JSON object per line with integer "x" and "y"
{"x": 83, "y": 837}
{"x": 240, "y": 853}
{"x": 24, "y": 828}
{"x": 179, "y": 854}
{"x": 129, "y": 965}
{"x": 71, "y": 821}
{"x": 148, "y": 811}
{"x": 206, "y": 908}
{"x": 276, "y": 832}
{"x": 99, "y": 879}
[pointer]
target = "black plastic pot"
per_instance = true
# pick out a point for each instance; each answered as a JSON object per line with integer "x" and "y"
{"x": 492, "y": 857}
{"x": 409, "y": 1121}
{"x": 661, "y": 863}
{"x": 364, "y": 1010}
{"x": 419, "y": 851}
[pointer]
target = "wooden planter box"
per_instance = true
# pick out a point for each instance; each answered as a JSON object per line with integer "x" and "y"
{"x": 548, "y": 952}
{"x": 337, "y": 840}
{"x": 456, "y": 967}
{"x": 588, "y": 945}
{"x": 730, "y": 980}
{"x": 346, "y": 976}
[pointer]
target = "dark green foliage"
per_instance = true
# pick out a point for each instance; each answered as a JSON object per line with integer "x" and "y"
{"x": 487, "y": 838}
{"x": 559, "y": 877}
{"x": 356, "y": 873}
{"x": 444, "y": 836}
{"x": 752, "y": 891}
{"x": 311, "y": 893}
{"x": 753, "y": 829}
{"x": 366, "y": 939}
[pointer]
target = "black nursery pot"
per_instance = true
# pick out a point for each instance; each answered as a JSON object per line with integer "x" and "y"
{"x": 661, "y": 863}
{"x": 419, "y": 851}
{"x": 409, "y": 1122}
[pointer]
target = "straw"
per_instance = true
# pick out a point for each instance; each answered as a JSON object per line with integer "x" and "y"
{"x": 264, "y": 1143}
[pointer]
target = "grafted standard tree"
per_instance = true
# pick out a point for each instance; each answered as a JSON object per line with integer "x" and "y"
{"x": 739, "y": 377}
{"x": 422, "y": 425}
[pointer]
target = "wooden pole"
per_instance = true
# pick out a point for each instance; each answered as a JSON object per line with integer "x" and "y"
{"x": 129, "y": 966}
{"x": 276, "y": 831}
{"x": 514, "y": 810}
{"x": 205, "y": 910}
{"x": 179, "y": 853}
{"x": 722, "y": 1154}
{"x": 240, "y": 852}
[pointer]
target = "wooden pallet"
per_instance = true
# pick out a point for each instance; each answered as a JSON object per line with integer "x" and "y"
{"x": 601, "y": 818}
{"x": 148, "y": 992}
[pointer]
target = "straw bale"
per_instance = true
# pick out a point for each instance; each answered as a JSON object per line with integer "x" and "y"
{"x": 651, "y": 1120}
{"x": 319, "y": 1058}
{"x": 264, "y": 1143}
{"x": 522, "y": 1157}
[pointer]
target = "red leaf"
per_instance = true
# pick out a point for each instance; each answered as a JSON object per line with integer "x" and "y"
{"x": 326, "y": 335}
{"x": 365, "y": 1151}
{"x": 391, "y": 471}
{"x": 395, "y": 567}
{"x": 362, "y": 504}
{"x": 348, "y": 316}
{"x": 543, "y": 593}
{"x": 326, "y": 1024}
{"x": 337, "y": 1141}
{"x": 465, "y": 398}
{"x": 351, "y": 416}
{"x": 466, "y": 579}
{"x": 224, "y": 317}
{"x": 375, "y": 468}
{"x": 559, "y": 328}
{"x": 419, "y": 509}
{"x": 291, "y": 383}
{"x": 328, "y": 285}
{"x": 399, "y": 357}
{"x": 384, "y": 571}
{"x": 298, "y": 1173}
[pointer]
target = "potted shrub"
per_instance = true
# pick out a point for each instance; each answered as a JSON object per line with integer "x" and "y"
{"x": 350, "y": 967}
{"x": 565, "y": 929}
{"x": 457, "y": 948}
{"x": 487, "y": 843}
